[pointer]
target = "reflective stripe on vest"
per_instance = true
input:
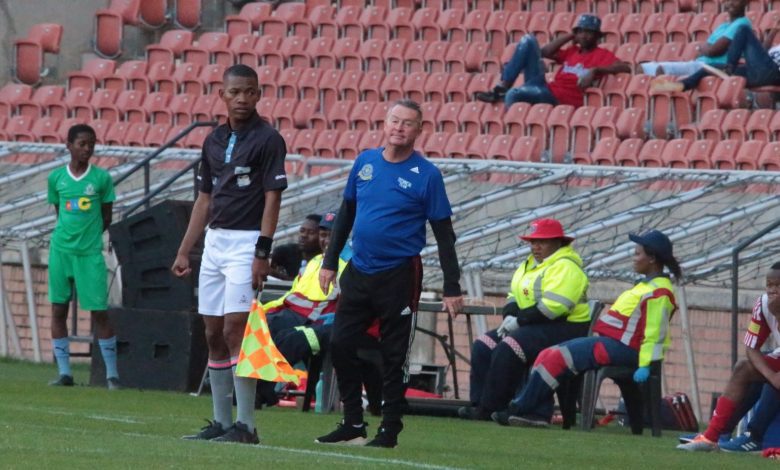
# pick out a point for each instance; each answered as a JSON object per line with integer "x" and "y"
{"x": 311, "y": 338}
{"x": 539, "y": 295}
{"x": 633, "y": 319}
{"x": 312, "y": 310}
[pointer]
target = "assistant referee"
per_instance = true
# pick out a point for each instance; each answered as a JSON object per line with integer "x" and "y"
{"x": 391, "y": 193}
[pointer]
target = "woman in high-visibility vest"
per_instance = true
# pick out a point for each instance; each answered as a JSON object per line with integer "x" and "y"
{"x": 634, "y": 333}
{"x": 546, "y": 305}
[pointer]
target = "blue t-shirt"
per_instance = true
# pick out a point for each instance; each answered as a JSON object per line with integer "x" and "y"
{"x": 394, "y": 201}
{"x": 725, "y": 30}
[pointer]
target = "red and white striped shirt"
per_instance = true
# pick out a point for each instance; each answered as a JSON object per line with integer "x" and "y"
{"x": 762, "y": 324}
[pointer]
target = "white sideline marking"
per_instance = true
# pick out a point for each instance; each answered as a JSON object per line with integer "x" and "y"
{"x": 357, "y": 457}
{"x": 73, "y": 413}
{"x": 110, "y": 418}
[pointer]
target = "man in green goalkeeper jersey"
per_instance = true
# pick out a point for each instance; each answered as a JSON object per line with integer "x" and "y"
{"x": 82, "y": 195}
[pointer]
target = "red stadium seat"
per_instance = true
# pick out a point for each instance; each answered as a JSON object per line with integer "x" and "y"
{"x": 170, "y": 47}
{"x": 558, "y": 129}
{"x": 152, "y": 13}
{"x": 40, "y": 101}
{"x": 562, "y": 23}
{"x": 581, "y": 140}
{"x": 288, "y": 82}
{"x": 28, "y": 54}
{"x": 734, "y": 124}
{"x": 655, "y": 27}
{"x": 304, "y": 143}
{"x": 605, "y": 122}
{"x": 360, "y": 118}
{"x": 514, "y": 119}
{"x": 349, "y": 85}
{"x": 348, "y": 144}
{"x": 372, "y": 139}
{"x": 701, "y": 26}
{"x": 448, "y": 117}
{"x": 108, "y": 33}
{"x": 495, "y": 27}
{"x": 632, "y": 28}
{"x": 628, "y": 151}
{"x": 430, "y": 110}
{"x": 436, "y": 86}
{"x": 370, "y": 84}
{"x": 249, "y": 18}
{"x": 493, "y": 119}
{"x": 474, "y": 27}
{"x": 757, "y": 126}
{"x": 503, "y": 148}
{"x": 179, "y": 110}
{"x": 650, "y": 154}
{"x": 415, "y": 55}
{"x": 372, "y": 55}
{"x": 748, "y": 155}
{"x": 517, "y": 26}
{"x": 435, "y": 143}
{"x": 101, "y": 98}
{"x": 373, "y": 21}
{"x": 186, "y": 13}
{"x": 348, "y": 21}
{"x": 400, "y": 22}
{"x": 674, "y": 153}
{"x": 130, "y": 75}
{"x": 539, "y": 24}
{"x": 196, "y": 137}
{"x": 392, "y": 87}
{"x": 603, "y": 153}
{"x": 479, "y": 146}
{"x": 678, "y": 27}
{"x": 243, "y": 48}
{"x": 457, "y": 146}
{"x": 154, "y": 103}
{"x": 631, "y": 123}
{"x": 204, "y": 104}
{"x": 338, "y": 115}
{"x": 207, "y": 44}
{"x": 116, "y": 133}
{"x": 126, "y": 100}
{"x": 394, "y": 53}
{"x": 769, "y": 159}
{"x": 92, "y": 74}
{"x": 293, "y": 49}
{"x": 156, "y": 135}
{"x": 425, "y": 26}
{"x": 711, "y": 124}
{"x": 325, "y": 145}
{"x": 469, "y": 117}
{"x": 610, "y": 28}
{"x": 436, "y": 56}
{"x": 724, "y": 155}
{"x": 75, "y": 97}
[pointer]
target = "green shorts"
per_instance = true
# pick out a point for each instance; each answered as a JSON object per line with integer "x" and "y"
{"x": 87, "y": 272}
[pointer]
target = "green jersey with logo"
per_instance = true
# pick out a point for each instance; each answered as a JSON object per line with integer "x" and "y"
{"x": 79, "y": 228}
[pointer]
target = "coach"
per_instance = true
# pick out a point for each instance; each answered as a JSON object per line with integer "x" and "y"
{"x": 390, "y": 194}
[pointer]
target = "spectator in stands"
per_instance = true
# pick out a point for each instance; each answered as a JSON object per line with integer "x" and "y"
{"x": 633, "y": 333}
{"x": 300, "y": 321}
{"x": 583, "y": 63}
{"x": 546, "y": 306}
{"x": 287, "y": 260}
{"x": 761, "y": 67}
{"x": 83, "y": 196}
{"x": 713, "y": 53}
{"x": 241, "y": 182}
{"x": 758, "y": 367}
{"x": 391, "y": 193}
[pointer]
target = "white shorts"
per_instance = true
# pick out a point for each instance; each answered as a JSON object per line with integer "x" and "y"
{"x": 678, "y": 69}
{"x": 225, "y": 280}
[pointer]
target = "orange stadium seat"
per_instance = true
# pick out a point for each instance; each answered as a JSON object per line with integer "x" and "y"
{"x": 338, "y": 115}
{"x": 267, "y": 80}
{"x": 711, "y": 124}
{"x": 647, "y": 53}
{"x": 28, "y": 52}
{"x": 196, "y": 138}
{"x": 581, "y": 140}
{"x": 558, "y": 129}
{"x": 109, "y": 24}
{"x": 116, "y": 111}
{"x": 733, "y": 126}
{"x": 628, "y": 151}
{"x": 44, "y": 130}
{"x": 631, "y": 123}
{"x": 372, "y": 139}
{"x": 504, "y": 147}
{"x": 130, "y": 75}
{"x": 347, "y": 144}
{"x": 457, "y": 146}
{"x": 604, "y": 121}
{"x": 267, "y": 51}
{"x": 638, "y": 92}
{"x": 435, "y": 143}
{"x": 757, "y": 126}
{"x": 650, "y": 154}
{"x": 603, "y": 153}
{"x": 186, "y": 13}
{"x": 116, "y": 133}
{"x": 207, "y": 44}
{"x": 360, "y": 117}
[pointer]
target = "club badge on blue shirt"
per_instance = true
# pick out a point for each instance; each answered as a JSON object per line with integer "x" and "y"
{"x": 367, "y": 172}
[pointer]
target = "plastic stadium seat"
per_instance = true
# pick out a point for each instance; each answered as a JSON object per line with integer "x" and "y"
{"x": 414, "y": 57}
{"x": 156, "y": 102}
{"x": 435, "y": 143}
{"x": 349, "y": 85}
{"x": 153, "y": 13}
{"x": 627, "y": 52}
{"x": 559, "y": 132}
{"x": 655, "y": 27}
{"x": 562, "y": 23}
{"x": 731, "y": 92}
{"x": 504, "y": 147}
{"x": 74, "y": 97}
{"x": 360, "y": 117}
{"x": 170, "y": 47}
{"x": 448, "y": 117}
{"x": 28, "y": 53}
{"x": 294, "y": 14}
{"x": 454, "y": 60}
{"x": 39, "y": 102}
{"x": 632, "y": 28}
{"x": 108, "y": 33}
{"x": 304, "y": 142}
{"x": 701, "y": 26}
{"x": 347, "y": 146}
{"x": 130, "y": 75}
{"x": 346, "y": 54}
{"x": 538, "y": 26}
{"x": 196, "y": 137}
{"x": 92, "y": 74}
{"x": 517, "y": 25}
{"x": 638, "y": 92}
{"x": 372, "y": 54}
{"x": 207, "y": 44}
{"x": 650, "y": 154}
{"x": 338, "y": 115}
{"x": 435, "y": 56}
{"x": 283, "y": 113}
{"x": 495, "y": 27}
{"x": 369, "y": 86}
{"x": 671, "y": 51}
{"x": 393, "y": 56}
{"x": 536, "y": 121}
{"x": 774, "y": 127}
{"x": 400, "y": 22}
{"x": 603, "y": 153}
{"x": 734, "y": 124}
{"x": 770, "y": 157}
{"x": 265, "y": 107}
{"x": 293, "y": 49}
{"x": 474, "y": 27}
{"x": 647, "y": 53}
{"x": 186, "y": 13}
{"x": 45, "y": 130}
{"x": 469, "y": 117}
{"x": 202, "y": 109}
{"x": 209, "y": 80}
{"x": 514, "y": 119}
{"x": 769, "y": 20}
{"x": 156, "y": 135}
{"x": 748, "y": 155}
{"x": 480, "y": 82}
{"x": 179, "y": 111}
{"x": 705, "y": 95}
{"x": 101, "y": 127}
{"x": 414, "y": 86}
{"x": 267, "y": 80}
{"x": 125, "y": 100}
{"x": 711, "y": 124}
{"x": 724, "y": 155}
{"x": 348, "y": 21}
{"x": 457, "y": 146}
{"x": 248, "y": 19}
{"x": 160, "y": 76}
{"x": 479, "y": 146}
{"x": 757, "y": 126}
{"x": 631, "y": 123}
{"x": 266, "y": 52}
{"x": 392, "y": 88}
{"x": 373, "y": 23}
{"x": 628, "y": 151}
{"x": 581, "y": 140}
{"x": 614, "y": 88}
{"x": 328, "y": 86}
{"x": 243, "y": 48}
{"x": 425, "y": 26}
{"x": 325, "y": 145}
{"x": 288, "y": 82}
{"x": 674, "y": 153}
{"x": 372, "y": 139}
{"x": 678, "y": 27}
{"x": 457, "y": 87}
{"x": 430, "y": 110}
{"x": 610, "y": 28}
{"x": 436, "y": 86}
{"x": 99, "y": 99}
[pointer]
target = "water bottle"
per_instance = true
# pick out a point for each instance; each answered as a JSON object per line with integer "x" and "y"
{"x": 318, "y": 396}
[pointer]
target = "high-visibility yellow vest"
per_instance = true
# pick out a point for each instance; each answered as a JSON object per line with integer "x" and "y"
{"x": 640, "y": 318}
{"x": 558, "y": 286}
{"x": 305, "y": 296}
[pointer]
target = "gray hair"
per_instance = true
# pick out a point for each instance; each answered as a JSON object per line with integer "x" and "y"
{"x": 409, "y": 104}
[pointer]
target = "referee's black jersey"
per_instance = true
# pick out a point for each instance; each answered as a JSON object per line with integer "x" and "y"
{"x": 237, "y": 168}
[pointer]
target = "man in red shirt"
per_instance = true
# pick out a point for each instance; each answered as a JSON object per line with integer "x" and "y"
{"x": 583, "y": 63}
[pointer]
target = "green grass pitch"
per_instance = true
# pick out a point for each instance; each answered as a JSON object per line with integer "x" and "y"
{"x": 85, "y": 427}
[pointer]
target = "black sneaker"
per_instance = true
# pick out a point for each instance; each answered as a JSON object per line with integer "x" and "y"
{"x": 528, "y": 422}
{"x": 387, "y": 436}
{"x": 474, "y": 413}
{"x": 62, "y": 381}
{"x": 207, "y": 432}
{"x": 501, "y": 417}
{"x": 239, "y": 433}
{"x": 496, "y": 95}
{"x": 345, "y": 434}
{"x": 113, "y": 383}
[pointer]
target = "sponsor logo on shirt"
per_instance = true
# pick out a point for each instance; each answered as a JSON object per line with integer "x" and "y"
{"x": 579, "y": 70}
{"x": 403, "y": 183}
{"x": 81, "y": 204}
{"x": 89, "y": 190}
{"x": 280, "y": 177}
{"x": 367, "y": 172}
{"x": 406, "y": 311}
